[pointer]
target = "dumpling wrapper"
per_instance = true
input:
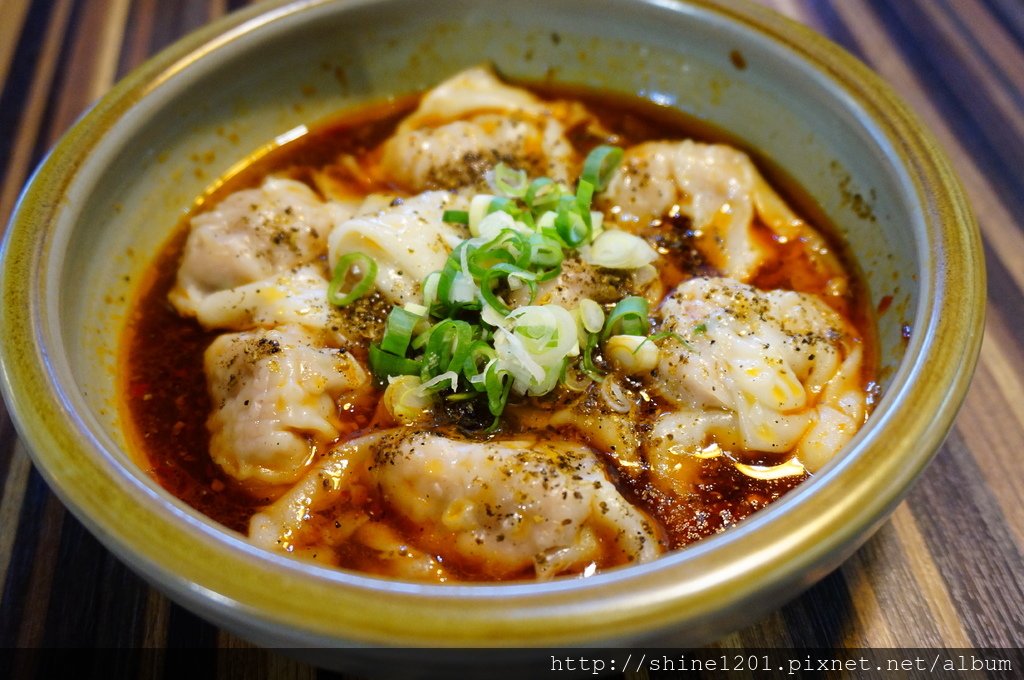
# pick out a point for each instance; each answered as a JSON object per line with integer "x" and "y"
{"x": 406, "y": 237}
{"x": 772, "y": 371}
{"x": 720, "y": 189}
{"x": 275, "y": 395}
{"x": 472, "y": 121}
{"x": 501, "y": 508}
{"x": 251, "y": 235}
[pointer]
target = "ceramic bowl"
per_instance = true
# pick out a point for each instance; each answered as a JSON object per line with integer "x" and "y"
{"x": 113, "y": 189}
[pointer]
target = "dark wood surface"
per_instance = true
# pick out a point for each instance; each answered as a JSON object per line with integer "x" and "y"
{"x": 946, "y": 571}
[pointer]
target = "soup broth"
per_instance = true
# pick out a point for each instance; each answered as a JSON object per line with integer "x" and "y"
{"x": 611, "y": 423}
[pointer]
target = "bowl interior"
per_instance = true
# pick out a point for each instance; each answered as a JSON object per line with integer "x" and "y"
{"x": 261, "y": 85}
{"x": 133, "y": 168}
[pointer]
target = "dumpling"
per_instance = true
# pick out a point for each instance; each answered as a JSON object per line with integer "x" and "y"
{"x": 275, "y": 395}
{"x": 772, "y": 371}
{"x": 499, "y": 508}
{"x": 714, "y": 185}
{"x": 297, "y": 296}
{"x": 405, "y": 236}
{"x": 251, "y": 235}
{"x": 506, "y": 506}
{"x": 469, "y": 123}
{"x": 329, "y": 509}
{"x": 840, "y": 413}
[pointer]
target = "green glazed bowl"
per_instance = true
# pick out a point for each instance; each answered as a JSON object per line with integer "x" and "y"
{"x": 112, "y": 190}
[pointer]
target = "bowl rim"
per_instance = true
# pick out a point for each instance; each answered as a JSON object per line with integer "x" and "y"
{"x": 199, "y": 564}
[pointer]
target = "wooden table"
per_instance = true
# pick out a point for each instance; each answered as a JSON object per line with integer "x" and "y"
{"x": 946, "y": 571}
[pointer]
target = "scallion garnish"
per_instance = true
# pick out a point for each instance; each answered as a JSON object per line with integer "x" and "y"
{"x": 510, "y": 182}
{"x": 361, "y": 265}
{"x": 398, "y": 332}
{"x": 545, "y": 253}
{"x": 542, "y": 192}
{"x": 572, "y": 225}
{"x": 600, "y": 164}
{"x": 455, "y": 216}
{"x": 384, "y": 364}
{"x": 502, "y": 204}
{"x": 480, "y": 355}
{"x": 447, "y": 348}
{"x": 665, "y": 335}
{"x": 584, "y": 197}
{"x": 498, "y": 385}
{"x": 511, "y": 273}
{"x": 628, "y": 317}
{"x": 587, "y": 362}
{"x": 591, "y": 316}
{"x": 466, "y": 341}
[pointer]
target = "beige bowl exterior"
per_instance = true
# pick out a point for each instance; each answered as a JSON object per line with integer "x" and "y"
{"x": 115, "y": 186}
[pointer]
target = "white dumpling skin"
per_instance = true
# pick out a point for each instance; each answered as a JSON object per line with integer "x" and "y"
{"x": 274, "y": 395}
{"x": 251, "y": 235}
{"x": 407, "y": 238}
{"x": 296, "y": 297}
{"x": 468, "y": 124}
{"x": 838, "y": 416}
{"x": 325, "y": 511}
{"x": 498, "y": 509}
{"x": 758, "y": 370}
{"x": 717, "y": 187}
{"x": 508, "y": 506}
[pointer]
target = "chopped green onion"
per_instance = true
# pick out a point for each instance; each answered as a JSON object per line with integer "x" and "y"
{"x": 546, "y": 223}
{"x": 591, "y": 315}
{"x": 584, "y": 196}
{"x": 492, "y": 224}
{"x": 629, "y": 317}
{"x": 461, "y": 345}
{"x": 508, "y": 247}
{"x": 418, "y": 310}
{"x": 447, "y": 347}
{"x": 542, "y": 191}
{"x": 509, "y": 181}
{"x": 665, "y": 335}
{"x": 456, "y": 216}
{"x": 404, "y": 401}
{"x": 484, "y": 259}
{"x": 600, "y": 165}
{"x": 464, "y": 340}
{"x": 508, "y": 271}
{"x": 384, "y": 364}
{"x": 456, "y": 289}
{"x": 570, "y": 225}
{"x": 480, "y": 355}
{"x": 363, "y": 266}
{"x": 430, "y": 289}
{"x": 398, "y": 331}
{"x": 633, "y": 354}
{"x": 617, "y": 249}
{"x": 437, "y": 383}
{"x": 502, "y": 204}
{"x": 587, "y": 363}
{"x": 498, "y": 384}
{"x": 477, "y": 210}
{"x": 544, "y": 251}
{"x": 596, "y": 224}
